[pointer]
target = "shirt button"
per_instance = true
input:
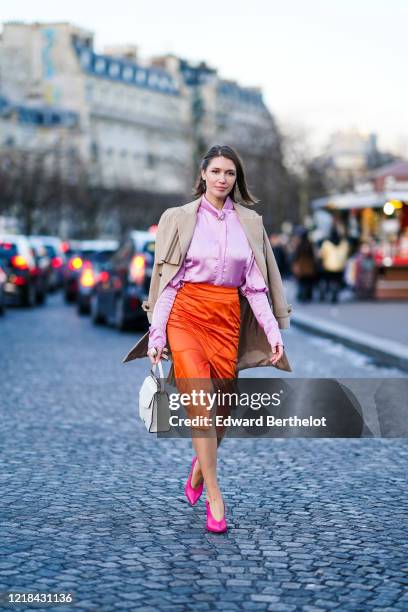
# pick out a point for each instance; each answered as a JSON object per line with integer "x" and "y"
{"x": 221, "y": 216}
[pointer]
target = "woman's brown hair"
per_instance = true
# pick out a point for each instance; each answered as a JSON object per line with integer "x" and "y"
{"x": 240, "y": 189}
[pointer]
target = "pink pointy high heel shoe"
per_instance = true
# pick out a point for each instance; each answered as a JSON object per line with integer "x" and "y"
{"x": 212, "y": 523}
{"x": 193, "y": 494}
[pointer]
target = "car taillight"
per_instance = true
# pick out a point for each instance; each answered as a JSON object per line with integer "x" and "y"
{"x": 137, "y": 268}
{"x": 20, "y": 262}
{"x": 75, "y": 263}
{"x": 103, "y": 276}
{"x": 56, "y": 262}
{"x": 87, "y": 278}
{"x": 18, "y": 280}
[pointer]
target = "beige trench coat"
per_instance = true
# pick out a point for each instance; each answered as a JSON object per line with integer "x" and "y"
{"x": 174, "y": 234}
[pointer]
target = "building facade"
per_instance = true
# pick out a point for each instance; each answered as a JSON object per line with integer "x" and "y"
{"x": 141, "y": 125}
{"x": 133, "y": 120}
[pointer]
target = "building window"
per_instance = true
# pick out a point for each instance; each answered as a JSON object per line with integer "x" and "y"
{"x": 141, "y": 76}
{"x": 114, "y": 69}
{"x": 100, "y": 65}
{"x": 128, "y": 73}
{"x": 85, "y": 58}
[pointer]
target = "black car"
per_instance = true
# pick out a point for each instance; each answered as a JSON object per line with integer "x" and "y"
{"x": 72, "y": 272}
{"x": 42, "y": 270}
{"x": 83, "y": 253}
{"x": 20, "y": 267}
{"x": 93, "y": 263}
{"x": 123, "y": 283}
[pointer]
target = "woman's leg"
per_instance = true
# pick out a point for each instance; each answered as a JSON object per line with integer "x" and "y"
{"x": 206, "y": 451}
{"x": 197, "y": 475}
{"x": 222, "y": 368}
{"x": 223, "y": 373}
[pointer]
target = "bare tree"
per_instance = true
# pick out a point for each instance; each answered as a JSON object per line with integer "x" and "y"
{"x": 261, "y": 148}
{"x": 308, "y": 180}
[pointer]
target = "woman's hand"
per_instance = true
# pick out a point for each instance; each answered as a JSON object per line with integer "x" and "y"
{"x": 277, "y": 353}
{"x": 157, "y": 353}
{"x": 276, "y": 344}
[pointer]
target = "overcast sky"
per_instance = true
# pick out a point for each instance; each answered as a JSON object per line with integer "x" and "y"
{"x": 322, "y": 64}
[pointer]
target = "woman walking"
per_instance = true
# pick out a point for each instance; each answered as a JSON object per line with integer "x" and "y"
{"x": 304, "y": 268}
{"x": 208, "y": 302}
{"x": 334, "y": 253}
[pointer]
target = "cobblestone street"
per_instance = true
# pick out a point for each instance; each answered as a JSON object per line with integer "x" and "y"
{"x": 94, "y": 505}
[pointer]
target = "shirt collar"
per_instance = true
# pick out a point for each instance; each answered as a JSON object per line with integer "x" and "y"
{"x": 228, "y": 207}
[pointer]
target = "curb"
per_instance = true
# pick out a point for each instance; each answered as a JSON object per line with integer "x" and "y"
{"x": 387, "y": 352}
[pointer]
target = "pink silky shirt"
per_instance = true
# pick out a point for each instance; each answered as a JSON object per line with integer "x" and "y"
{"x": 219, "y": 254}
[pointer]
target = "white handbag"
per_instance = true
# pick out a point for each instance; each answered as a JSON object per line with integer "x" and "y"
{"x": 154, "y": 402}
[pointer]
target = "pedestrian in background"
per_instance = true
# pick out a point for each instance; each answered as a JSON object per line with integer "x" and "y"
{"x": 333, "y": 254}
{"x": 304, "y": 268}
{"x": 279, "y": 251}
{"x": 214, "y": 268}
{"x": 364, "y": 272}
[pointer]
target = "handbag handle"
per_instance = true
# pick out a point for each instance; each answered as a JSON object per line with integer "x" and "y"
{"x": 153, "y": 370}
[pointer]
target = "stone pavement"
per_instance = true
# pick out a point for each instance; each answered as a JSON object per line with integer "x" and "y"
{"x": 93, "y": 504}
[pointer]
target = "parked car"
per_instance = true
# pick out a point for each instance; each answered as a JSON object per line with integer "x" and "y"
{"x": 92, "y": 267}
{"x": 20, "y": 268}
{"x": 3, "y": 280}
{"x": 123, "y": 283}
{"x": 55, "y": 251}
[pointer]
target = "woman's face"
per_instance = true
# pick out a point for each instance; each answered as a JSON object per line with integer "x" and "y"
{"x": 220, "y": 177}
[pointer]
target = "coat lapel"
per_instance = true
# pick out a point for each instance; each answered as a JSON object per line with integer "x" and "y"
{"x": 186, "y": 222}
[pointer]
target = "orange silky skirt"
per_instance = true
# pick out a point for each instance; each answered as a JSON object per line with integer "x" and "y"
{"x": 203, "y": 333}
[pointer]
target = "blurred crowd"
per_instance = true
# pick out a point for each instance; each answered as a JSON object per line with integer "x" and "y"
{"x": 323, "y": 267}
